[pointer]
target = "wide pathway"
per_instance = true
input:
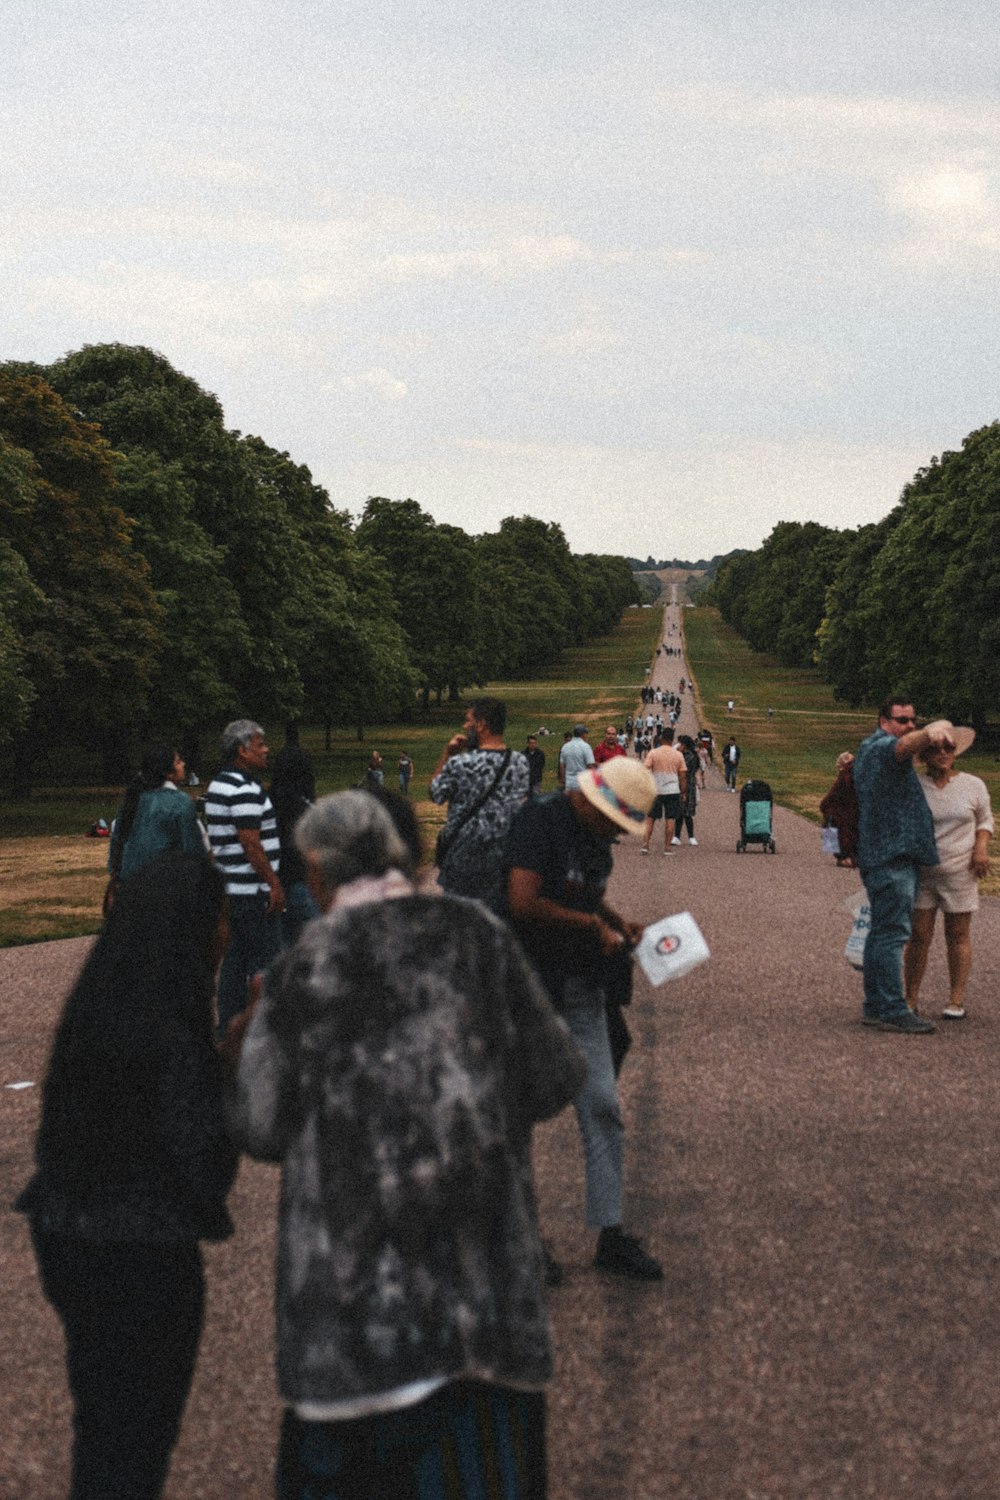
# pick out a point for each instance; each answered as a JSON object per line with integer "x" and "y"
{"x": 825, "y": 1200}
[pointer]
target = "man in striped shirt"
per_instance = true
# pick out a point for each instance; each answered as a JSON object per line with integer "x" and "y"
{"x": 243, "y": 834}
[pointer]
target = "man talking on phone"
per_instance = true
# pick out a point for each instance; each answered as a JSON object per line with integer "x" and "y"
{"x": 483, "y": 783}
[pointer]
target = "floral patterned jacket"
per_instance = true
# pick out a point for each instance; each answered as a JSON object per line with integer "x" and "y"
{"x": 396, "y": 1062}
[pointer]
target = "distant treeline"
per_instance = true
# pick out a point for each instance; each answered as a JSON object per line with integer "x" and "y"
{"x": 910, "y": 604}
{"x": 160, "y": 574}
{"x": 706, "y": 565}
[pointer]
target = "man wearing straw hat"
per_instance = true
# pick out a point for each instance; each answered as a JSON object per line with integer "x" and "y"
{"x": 558, "y": 859}
{"x": 895, "y": 837}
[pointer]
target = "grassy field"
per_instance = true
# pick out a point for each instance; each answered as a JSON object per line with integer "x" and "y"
{"x": 53, "y": 877}
{"x": 795, "y": 750}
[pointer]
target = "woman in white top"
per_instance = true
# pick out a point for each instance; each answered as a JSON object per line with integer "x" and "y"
{"x": 963, "y": 822}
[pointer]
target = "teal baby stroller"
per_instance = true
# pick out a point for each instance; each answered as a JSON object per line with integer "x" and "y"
{"x": 755, "y": 817}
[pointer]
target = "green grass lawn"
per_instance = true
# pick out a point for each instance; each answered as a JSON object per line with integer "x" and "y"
{"x": 55, "y": 885}
{"x": 598, "y": 683}
{"x": 795, "y": 750}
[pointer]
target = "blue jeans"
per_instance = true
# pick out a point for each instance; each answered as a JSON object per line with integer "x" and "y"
{"x": 892, "y": 890}
{"x": 254, "y": 939}
{"x": 596, "y": 1104}
{"x": 300, "y": 908}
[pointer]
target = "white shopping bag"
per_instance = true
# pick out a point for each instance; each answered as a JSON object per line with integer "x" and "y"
{"x": 671, "y": 947}
{"x": 854, "y": 950}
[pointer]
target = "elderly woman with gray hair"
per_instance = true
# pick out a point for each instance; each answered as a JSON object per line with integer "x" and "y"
{"x": 394, "y": 1065}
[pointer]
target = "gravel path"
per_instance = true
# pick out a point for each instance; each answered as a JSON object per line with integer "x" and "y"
{"x": 824, "y": 1199}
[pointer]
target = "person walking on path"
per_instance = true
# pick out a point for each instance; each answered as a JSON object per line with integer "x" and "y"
{"x": 730, "y": 762}
{"x": 609, "y": 747}
{"x": 483, "y": 784}
{"x": 243, "y": 834}
{"x": 840, "y": 810}
{"x": 895, "y": 837}
{"x": 559, "y": 861}
{"x": 669, "y": 771}
{"x": 689, "y": 797}
{"x": 394, "y": 1067}
{"x": 575, "y": 756}
{"x": 963, "y": 822}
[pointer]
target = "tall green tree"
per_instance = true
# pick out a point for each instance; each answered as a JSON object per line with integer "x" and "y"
{"x": 352, "y": 653}
{"x": 95, "y": 630}
{"x": 227, "y": 518}
{"x": 432, "y": 572}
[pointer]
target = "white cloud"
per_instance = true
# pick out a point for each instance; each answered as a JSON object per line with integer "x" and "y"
{"x": 379, "y": 382}
{"x": 927, "y": 161}
{"x": 195, "y": 166}
{"x": 591, "y": 332}
{"x": 912, "y": 123}
{"x": 955, "y": 218}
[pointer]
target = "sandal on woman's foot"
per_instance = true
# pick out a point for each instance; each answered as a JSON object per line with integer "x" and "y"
{"x": 953, "y": 1013}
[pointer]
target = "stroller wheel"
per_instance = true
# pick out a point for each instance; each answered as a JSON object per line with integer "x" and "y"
{"x": 773, "y": 847}
{"x": 739, "y": 846}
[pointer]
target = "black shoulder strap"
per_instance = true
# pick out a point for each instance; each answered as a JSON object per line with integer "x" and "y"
{"x": 480, "y": 801}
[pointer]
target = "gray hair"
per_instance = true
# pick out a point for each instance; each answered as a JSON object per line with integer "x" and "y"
{"x": 240, "y": 732}
{"x": 351, "y": 834}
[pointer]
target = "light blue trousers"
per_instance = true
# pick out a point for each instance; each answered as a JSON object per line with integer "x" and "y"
{"x": 596, "y": 1104}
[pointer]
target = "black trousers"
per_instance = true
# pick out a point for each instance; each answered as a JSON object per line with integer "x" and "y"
{"x": 467, "y": 1439}
{"x": 133, "y": 1317}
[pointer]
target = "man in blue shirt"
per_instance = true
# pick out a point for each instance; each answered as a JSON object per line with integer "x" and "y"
{"x": 574, "y": 757}
{"x": 895, "y": 836}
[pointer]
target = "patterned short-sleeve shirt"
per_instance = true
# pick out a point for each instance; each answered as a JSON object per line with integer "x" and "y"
{"x": 473, "y": 863}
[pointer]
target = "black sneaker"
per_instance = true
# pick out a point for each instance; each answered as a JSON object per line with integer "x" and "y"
{"x": 622, "y": 1254}
{"x": 908, "y": 1022}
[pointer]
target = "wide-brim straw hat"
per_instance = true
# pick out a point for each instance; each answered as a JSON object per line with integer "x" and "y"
{"x": 622, "y": 789}
{"x": 961, "y": 734}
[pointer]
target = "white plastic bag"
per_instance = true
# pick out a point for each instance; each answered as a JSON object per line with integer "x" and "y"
{"x": 830, "y": 840}
{"x": 671, "y": 947}
{"x": 854, "y": 950}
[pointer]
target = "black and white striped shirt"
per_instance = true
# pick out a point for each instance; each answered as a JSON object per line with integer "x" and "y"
{"x": 233, "y": 802}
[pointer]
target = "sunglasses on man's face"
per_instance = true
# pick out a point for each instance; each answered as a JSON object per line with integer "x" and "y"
{"x": 903, "y": 718}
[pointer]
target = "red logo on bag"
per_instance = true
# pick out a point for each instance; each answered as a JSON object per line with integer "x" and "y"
{"x": 668, "y": 944}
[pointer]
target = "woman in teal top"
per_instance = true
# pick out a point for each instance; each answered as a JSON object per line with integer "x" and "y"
{"x": 156, "y": 817}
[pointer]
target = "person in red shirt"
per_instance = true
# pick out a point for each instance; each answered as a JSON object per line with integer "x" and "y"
{"x": 609, "y": 746}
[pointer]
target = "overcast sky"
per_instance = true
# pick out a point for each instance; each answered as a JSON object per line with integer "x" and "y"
{"x": 665, "y": 273}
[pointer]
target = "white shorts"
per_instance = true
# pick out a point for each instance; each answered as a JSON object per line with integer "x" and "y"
{"x": 947, "y": 889}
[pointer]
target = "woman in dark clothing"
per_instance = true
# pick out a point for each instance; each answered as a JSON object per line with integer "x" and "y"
{"x": 134, "y": 1165}
{"x": 293, "y": 791}
{"x": 840, "y": 810}
{"x": 690, "y": 806}
{"x": 156, "y": 817}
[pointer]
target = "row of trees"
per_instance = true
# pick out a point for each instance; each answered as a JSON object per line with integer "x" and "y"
{"x": 159, "y": 572}
{"x": 911, "y": 602}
